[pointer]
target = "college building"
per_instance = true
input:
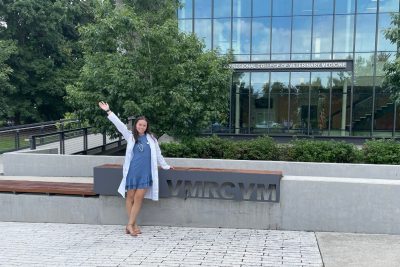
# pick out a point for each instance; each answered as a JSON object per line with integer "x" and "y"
{"x": 302, "y": 67}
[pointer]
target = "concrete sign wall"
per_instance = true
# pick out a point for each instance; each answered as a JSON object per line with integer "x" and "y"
{"x": 263, "y": 186}
{"x": 221, "y": 184}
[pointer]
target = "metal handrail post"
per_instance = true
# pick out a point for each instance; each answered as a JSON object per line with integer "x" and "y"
{"x": 41, "y": 132}
{"x": 62, "y": 143}
{"x": 33, "y": 142}
{"x": 85, "y": 139}
{"x": 17, "y": 139}
{"x": 103, "y": 148}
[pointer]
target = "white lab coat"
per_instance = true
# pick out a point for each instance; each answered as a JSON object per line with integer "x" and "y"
{"x": 156, "y": 156}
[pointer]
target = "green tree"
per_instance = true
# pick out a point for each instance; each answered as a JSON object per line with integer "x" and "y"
{"x": 7, "y": 48}
{"x": 391, "y": 78}
{"x": 137, "y": 60}
{"x": 47, "y": 56}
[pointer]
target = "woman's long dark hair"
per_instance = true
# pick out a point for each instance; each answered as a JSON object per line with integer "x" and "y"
{"x": 136, "y": 133}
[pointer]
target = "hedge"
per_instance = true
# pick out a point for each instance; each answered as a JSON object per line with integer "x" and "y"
{"x": 382, "y": 152}
{"x": 264, "y": 148}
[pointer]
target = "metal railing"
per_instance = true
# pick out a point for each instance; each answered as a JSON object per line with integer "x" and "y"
{"x": 18, "y": 137}
{"x": 76, "y": 141}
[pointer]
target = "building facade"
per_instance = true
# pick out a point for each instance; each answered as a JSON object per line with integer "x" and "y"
{"x": 311, "y": 67}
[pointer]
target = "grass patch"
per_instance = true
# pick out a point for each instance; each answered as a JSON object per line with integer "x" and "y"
{"x": 7, "y": 143}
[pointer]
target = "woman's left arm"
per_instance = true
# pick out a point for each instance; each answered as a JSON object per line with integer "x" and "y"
{"x": 160, "y": 158}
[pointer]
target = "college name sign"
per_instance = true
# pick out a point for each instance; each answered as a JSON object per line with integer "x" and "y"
{"x": 241, "y": 185}
{"x": 345, "y": 65}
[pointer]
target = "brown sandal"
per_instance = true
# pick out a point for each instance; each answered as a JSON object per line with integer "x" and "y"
{"x": 137, "y": 229}
{"x": 132, "y": 231}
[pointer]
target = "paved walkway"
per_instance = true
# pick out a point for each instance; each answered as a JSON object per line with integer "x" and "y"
{"x": 359, "y": 250}
{"x": 50, "y": 244}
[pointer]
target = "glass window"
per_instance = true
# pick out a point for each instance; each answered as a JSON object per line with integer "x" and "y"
{"x": 241, "y": 57}
{"x": 340, "y": 103}
{"x": 323, "y": 7}
{"x": 285, "y": 56}
{"x": 301, "y": 56}
{"x": 321, "y": 80}
{"x": 260, "y": 83}
{"x": 187, "y": 9}
{"x": 202, "y": 9}
{"x": 364, "y": 65}
{"x": 366, "y": 6}
{"x": 261, "y": 8}
{"x": 381, "y": 59}
{"x": 299, "y": 90}
{"x": 222, "y": 35}
{"x": 388, "y": 5}
{"x": 259, "y": 101}
{"x": 379, "y": 81}
{"x": 279, "y": 97}
{"x": 242, "y": 79}
{"x": 185, "y": 25}
{"x": 241, "y": 36}
{"x": 383, "y": 112}
{"x": 302, "y": 7}
{"x": 342, "y": 56}
{"x": 362, "y": 107}
{"x": 281, "y": 35}
{"x": 322, "y": 35}
{"x": 301, "y": 34}
{"x": 240, "y": 101}
{"x": 222, "y": 8}
{"x": 257, "y": 57}
{"x": 261, "y": 36}
{"x": 362, "y": 94}
{"x": 322, "y": 56}
{"x": 383, "y": 43}
{"x": 242, "y": 8}
{"x": 282, "y": 8}
{"x": 343, "y": 36}
{"x": 344, "y": 6}
{"x": 319, "y": 102}
{"x": 279, "y": 83}
{"x": 365, "y": 32}
{"x": 202, "y": 28}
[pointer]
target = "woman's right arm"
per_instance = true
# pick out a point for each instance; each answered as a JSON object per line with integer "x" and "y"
{"x": 121, "y": 127}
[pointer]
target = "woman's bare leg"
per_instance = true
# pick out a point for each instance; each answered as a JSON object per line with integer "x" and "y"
{"x": 130, "y": 229}
{"x": 137, "y": 204}
{"x": 129, "y": 201}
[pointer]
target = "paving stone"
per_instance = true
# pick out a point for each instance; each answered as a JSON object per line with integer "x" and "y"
{"x": 50, "y": 244}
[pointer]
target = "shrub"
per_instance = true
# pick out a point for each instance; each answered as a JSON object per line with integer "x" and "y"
{"x": 261, "y": 148}
{"x": 175, "y": 150}
{"x": 208, "y": 148}
{"x": 385, "y": 151}
{"x": 322, "y": 151}
{"x": 283, "y": 152}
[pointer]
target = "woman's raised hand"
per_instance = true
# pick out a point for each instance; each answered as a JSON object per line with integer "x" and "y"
{"x": 104, "y": 106}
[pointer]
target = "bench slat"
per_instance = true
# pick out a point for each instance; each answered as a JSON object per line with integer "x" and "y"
{"x": 83, "y": 189}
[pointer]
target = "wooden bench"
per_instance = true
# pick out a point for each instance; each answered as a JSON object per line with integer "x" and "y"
{"x": 49, "y": 188}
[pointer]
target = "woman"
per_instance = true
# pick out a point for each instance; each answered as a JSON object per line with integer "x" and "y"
{"x": 140, "y": 171}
